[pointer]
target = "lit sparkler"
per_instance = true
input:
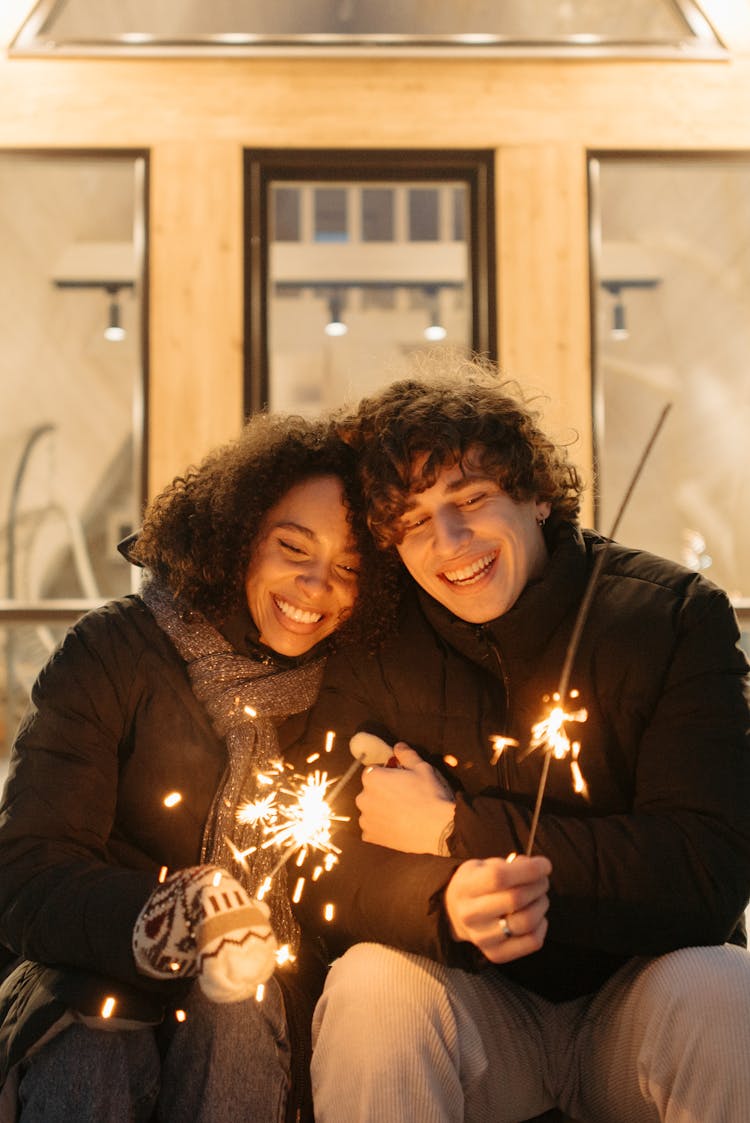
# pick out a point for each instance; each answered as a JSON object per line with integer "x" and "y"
{"x": 299, "y": 824}
{"x": 549, "y": 734}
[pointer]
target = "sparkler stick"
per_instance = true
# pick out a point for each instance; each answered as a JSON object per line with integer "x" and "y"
{"x": 583, "y": 611}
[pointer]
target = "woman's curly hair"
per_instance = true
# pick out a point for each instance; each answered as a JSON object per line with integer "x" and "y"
{"x": 458, "y": 406}
{"x": 198, "y": 535}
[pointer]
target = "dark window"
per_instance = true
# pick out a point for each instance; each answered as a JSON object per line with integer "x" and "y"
{"x": 423, "y": 214}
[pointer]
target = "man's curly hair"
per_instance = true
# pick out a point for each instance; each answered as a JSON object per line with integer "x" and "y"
{"x": 458, "y": 408}
{"x": 198, "y": 535}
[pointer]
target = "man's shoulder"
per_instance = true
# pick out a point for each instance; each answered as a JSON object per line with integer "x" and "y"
{"x": 631, "y": 564}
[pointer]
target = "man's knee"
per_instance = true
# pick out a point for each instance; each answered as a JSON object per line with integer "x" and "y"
{"x": 709, "y": 980}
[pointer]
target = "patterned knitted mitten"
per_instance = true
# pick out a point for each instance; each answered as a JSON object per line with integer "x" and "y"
{"x": 201, "y": 921}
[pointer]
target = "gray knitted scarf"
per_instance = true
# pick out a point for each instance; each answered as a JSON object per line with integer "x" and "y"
{"x": 244, "y": 700}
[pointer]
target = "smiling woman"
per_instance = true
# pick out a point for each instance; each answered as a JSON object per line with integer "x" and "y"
{"x": 168, "y": 703}
{"x": 302, "y": 580}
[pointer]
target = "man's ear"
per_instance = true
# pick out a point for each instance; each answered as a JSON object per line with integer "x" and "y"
{"x": 543, "y": 508}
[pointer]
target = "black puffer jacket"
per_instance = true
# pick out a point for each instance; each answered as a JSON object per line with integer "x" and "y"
{"x": 657, "y": 858}
{"x": 113, "y": 728}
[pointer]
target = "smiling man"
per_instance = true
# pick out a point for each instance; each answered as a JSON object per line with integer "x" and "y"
{"x": 608, "y": 973}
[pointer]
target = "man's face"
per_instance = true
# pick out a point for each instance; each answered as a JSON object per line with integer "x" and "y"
{"x": 469, "y": 545}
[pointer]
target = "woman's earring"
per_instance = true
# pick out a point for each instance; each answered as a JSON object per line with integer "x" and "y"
{"x": 540, "y": 521}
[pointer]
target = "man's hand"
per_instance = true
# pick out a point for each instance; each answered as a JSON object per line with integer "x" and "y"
{"x": 500, "y": 905}
{"x": 408, "y": 808}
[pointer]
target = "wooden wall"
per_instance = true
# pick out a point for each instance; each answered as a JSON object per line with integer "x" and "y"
{"x": 196, "y": 116}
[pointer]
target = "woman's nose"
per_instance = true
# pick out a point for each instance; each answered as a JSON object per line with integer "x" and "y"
{"x": 315, "y": 579}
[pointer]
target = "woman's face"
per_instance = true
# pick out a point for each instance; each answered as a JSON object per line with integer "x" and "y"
{"x": 301, "y": 583}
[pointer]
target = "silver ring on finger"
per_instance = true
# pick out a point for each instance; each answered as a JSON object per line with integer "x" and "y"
{"x": 505, "y": 927}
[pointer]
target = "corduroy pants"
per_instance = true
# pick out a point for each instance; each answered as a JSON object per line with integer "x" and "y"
{"x": 397, "y": 1037}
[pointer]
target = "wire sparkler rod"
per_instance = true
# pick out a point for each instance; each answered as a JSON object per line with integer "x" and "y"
{"x": 583, "y": 610}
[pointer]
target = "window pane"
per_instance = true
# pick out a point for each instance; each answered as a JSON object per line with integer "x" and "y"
{"x": 342, "y": 315}
{"x": 672, "y": 325}
{"x": 330, "y": 214}
{"x": 71, "y": 238}
{"x": 423, "y": 214}
{"x": 286, "y": 214}
{"x": 377, "y": 214}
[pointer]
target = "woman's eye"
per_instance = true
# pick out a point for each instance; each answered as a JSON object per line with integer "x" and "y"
{"x": 413, "y": 524}
{"x": 296, "y": 551}
{"x": 349, "y": 572}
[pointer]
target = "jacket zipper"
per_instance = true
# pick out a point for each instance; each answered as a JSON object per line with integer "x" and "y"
{"x": 486, "y": 635}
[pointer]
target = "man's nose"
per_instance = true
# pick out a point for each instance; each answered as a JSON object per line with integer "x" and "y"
{"x": 450, "y": 532}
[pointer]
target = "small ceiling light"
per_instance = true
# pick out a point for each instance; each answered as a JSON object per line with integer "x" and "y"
{"x": 114, "y": 330}
{"x": 335, "y": 325}
{"x": 619, "y": 328}
{"x": 435, "y": 331}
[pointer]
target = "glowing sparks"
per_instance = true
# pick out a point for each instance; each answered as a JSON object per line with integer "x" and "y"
{"x": 250, "y": 711}
{"x": 260, "y": 991}
{"x": 450, "y": 760}
{"x": 550, "y": 734}
{"x": 328, "y": 912}
{"x": 108, "y": 1006}
{"x": 172, "y": 799}
{"x": 263, "y": 810}
{"x": 579, "y": 784}
{"x": 305, "y": 823}
{"x": 284, "y": 955}
{"x": 297, "y": 894}
{"x": 499, "y": 745}
{"x": 330, "y": 738}
{"x": 163, "y": 874}
{"x": 180, "y": 1015}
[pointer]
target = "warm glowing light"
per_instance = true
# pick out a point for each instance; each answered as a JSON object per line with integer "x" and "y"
{"x": 180, "y": 1015}
{"x": 284, "y": 955}
{"x": 579, "y": 784}
{"x": 317, "y": 872}
{"x": 328, "y": 912}
{"x": 298, "y": 890}
{"x": 499, "y": 745}
{"x": 263, "y": 810}
{"x": 265, "y": 887}
{"x": 549, "y": 733}
{"x": 330, "y": 738}
{"x": 108, "y": 1007}
{"x": 450, "y": 760}
{"x": 163, "y": 874}
{"x": 312, "y": 758}
{"x": 307, "y": 821}
{"x": 175, "y": 966}
{"x": 250, "y": 711}
{"x": 172, "y": 799}
{"x": 216, "y": 879}
{"x": 260, "y": 991}
{"x": 511, "y": 857}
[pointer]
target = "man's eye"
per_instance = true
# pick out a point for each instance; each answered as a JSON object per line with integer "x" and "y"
{"x": 474, "y": 499}
{"x": 349, "y": 572}
{"x": 413, "y": 524}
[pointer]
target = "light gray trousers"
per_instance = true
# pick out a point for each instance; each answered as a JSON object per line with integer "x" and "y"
{"x": 399, "y": 1038}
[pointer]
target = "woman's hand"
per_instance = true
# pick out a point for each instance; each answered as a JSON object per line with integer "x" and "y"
{"x": 407, "y": 808}
{"x": 500, "y": 905}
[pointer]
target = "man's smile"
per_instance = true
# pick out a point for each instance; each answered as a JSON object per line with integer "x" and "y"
{"x": 469, "y": 574}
